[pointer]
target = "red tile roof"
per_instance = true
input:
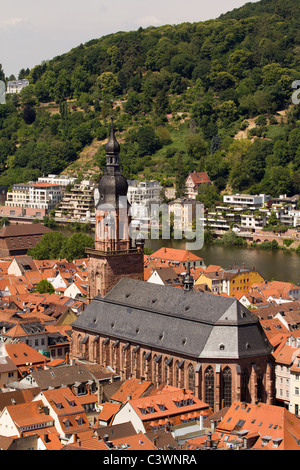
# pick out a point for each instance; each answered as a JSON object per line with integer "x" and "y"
{"x": 199, "y": 177}
{"x": 108, "y": 411}
{"x": 133, "y": 388}
{"x": 174, "y": 254}
{"x": 29, "y": 414}
{"x": 165, "y": 407}
{"x": 20, "y": 353}
{"x": 273, "y": 424}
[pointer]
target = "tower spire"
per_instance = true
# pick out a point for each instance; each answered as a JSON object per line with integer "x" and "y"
{"x": 112, "y": 148}
{"x": 188, "y": 282}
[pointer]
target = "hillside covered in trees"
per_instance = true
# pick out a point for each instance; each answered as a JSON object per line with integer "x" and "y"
{"x": 213, "y": 95}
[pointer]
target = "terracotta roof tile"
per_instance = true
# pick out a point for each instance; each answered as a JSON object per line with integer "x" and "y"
{"x": 133, "y": 388}
{"x": 175, "y": 255}
{"x": 264, "y": 420}
{"x": 26, "y": 414}
{"x": 20, "y": 353}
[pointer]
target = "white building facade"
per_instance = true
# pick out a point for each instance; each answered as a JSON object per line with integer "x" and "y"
{"x": 35, "y": 196}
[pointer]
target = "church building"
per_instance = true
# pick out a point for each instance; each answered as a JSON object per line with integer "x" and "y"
{"x": 209, "y": 344}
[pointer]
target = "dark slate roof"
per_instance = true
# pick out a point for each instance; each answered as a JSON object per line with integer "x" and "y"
{"x": 190, "y": 323}
{"x": 67, "y": 375}
{"x": 116, "y": 431}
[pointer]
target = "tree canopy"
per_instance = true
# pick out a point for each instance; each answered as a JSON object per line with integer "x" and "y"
{"x": 54, "y": 245}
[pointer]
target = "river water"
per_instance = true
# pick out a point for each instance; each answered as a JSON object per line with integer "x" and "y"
{"x": 272, "y": 265}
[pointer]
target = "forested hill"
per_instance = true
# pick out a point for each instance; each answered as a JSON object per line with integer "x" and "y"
{"x": 213, "y": 95}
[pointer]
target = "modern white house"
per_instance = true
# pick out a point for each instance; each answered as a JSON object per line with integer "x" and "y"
{"x": 60, "y": 180}
{"x": 247, "y": 200}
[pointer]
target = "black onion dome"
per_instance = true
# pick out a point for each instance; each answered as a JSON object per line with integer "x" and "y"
{"x": 111, "y": 187}
{"x": 112, "y": 147}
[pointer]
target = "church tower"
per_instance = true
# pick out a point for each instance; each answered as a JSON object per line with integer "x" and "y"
{"x": 116, "y": 254}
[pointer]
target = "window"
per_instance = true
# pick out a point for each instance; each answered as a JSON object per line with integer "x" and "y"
{"x": 227, "y": 379}
{"x": 209, "y": 387}
{"x": 191, "y": 378}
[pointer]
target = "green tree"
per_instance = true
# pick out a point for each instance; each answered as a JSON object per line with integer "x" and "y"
{"x": 62, "y": 88}
{"x": 208, "y": 195}
{"x": 74, "y": 246}
{"x": 147, "y": 140}
{"x": 49, "y": 247}
{"x": 2, "y": 74}
{"x": 108, "y": 85}
{"x": 44, "y": 287}
{"x": 239, "y": 63}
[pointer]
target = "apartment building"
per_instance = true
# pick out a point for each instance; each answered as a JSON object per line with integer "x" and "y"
{"x": 78, "y": 203}
{"x": 140, "y": 192}
{"x": 253, "y": 222}
{"x": 43, "y": 196}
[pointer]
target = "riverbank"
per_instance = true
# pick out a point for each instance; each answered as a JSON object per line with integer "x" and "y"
{"x": 280, "y": 264}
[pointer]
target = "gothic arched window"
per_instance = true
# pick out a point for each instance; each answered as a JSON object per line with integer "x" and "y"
{"x": 191, "y": 378}
{"x": 227, "y": 386}
{"x": 166, "y": 370}
{"x": 210, "y": 387}
{"x": 177, "y": 384}
{"x": 245, "y": 392}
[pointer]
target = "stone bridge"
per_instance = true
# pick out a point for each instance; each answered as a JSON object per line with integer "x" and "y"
{"x": 269, "y": 237}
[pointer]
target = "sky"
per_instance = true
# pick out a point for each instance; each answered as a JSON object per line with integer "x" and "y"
{"x": 33, "y": 31}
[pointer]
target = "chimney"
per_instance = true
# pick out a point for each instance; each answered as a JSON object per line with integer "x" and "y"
{"x": 46, "y": 410}
{"x": 46, "y": 438}
{"x": 208, "y": 441}
{"x": 100, "y": 393}
{"x": 201, "y": 425}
